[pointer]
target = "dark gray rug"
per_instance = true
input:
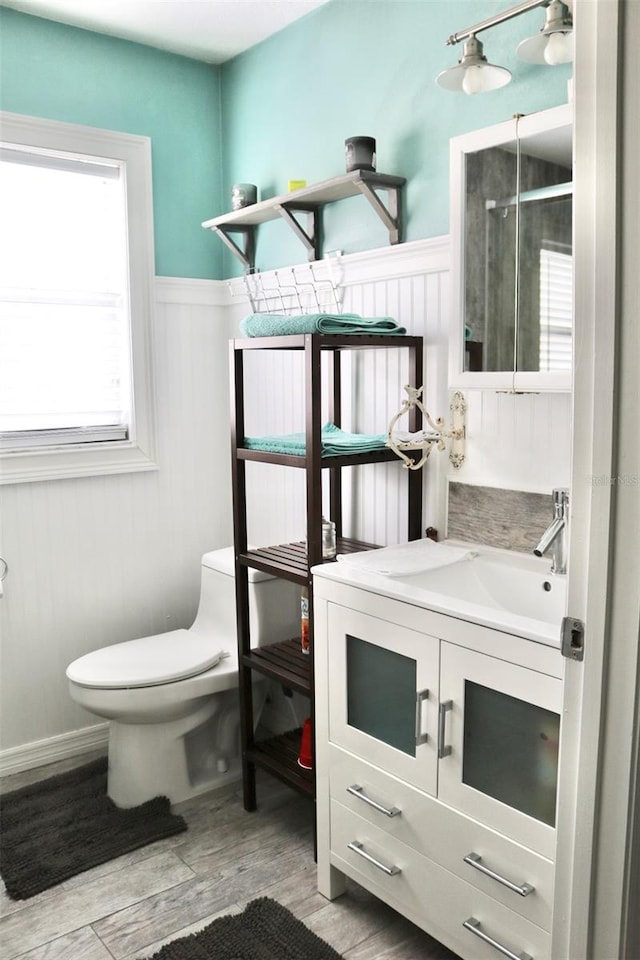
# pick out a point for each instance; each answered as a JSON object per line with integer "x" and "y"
{"x": 57, "y": 828}
{"x": 265, "y": 930}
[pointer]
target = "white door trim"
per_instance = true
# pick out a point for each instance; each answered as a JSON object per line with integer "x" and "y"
{"x": 615, "y": 926}
{"x": 596, "y": 145}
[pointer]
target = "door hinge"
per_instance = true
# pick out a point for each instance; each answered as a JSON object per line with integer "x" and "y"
{"x": 572, "y": 642}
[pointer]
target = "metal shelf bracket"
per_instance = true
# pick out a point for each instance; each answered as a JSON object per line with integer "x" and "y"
{"x": 309, "y": 237}
{"x": 247, "y": 253}
{"x": 391, "y": 214}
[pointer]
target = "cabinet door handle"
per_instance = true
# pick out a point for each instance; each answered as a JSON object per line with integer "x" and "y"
{"x": 473, "y": 926}
{"x": 357, "y": 791}
{"x": 359, "y": 849}
{"x": 443, "y": 750}
{"x": 421, "y": 696}
{"x": 475, "y": 860}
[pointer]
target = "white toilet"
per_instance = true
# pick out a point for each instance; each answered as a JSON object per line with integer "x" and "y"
{"x": 172, "y": 699}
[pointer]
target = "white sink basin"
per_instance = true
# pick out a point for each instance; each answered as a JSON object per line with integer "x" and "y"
{"x": 500, "y": 584}
{"x": 501, "y": 589}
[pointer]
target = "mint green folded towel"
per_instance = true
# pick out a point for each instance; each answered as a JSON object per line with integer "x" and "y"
{"x": 276, "y": 325}
{"x": 334, "y": 442}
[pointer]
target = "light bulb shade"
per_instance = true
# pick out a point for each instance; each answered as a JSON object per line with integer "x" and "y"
{"x": 474, "y": 79}
{"x": 559, "y": 48}
{"x": 473, "y": 74}
{"x": 550, "y": 48}
{"x": 554, "y": 43}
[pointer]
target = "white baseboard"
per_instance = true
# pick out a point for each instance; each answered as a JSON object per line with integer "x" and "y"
{"x": 65, "y": 745}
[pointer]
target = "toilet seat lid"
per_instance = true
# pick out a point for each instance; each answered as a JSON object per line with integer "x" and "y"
{"x": 146, "y": 662}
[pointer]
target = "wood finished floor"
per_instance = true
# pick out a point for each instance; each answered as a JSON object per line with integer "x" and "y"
{"x": 128, "y": 908}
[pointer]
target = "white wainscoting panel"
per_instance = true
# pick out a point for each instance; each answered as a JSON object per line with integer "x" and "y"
{"x": 517, "y": 441}
{"x": 97, "y": 560}
{"x": 410, "y": 284}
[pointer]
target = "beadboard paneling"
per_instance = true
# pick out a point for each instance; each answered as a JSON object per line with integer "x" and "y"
{"x": 412, "y": 287}
{"x": 518, "y": 441}
{"x": 97, "y": 560}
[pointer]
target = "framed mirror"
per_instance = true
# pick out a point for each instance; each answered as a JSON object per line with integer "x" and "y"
{"x": 512, "y": 254}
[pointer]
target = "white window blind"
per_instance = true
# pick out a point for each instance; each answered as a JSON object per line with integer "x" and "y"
{"x": 65, "y": 354}
{"x": 556, "y": 309}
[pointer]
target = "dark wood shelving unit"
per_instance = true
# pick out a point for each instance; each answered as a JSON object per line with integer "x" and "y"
{"x": 289, "y": 560}
{"x": 290, "y": 460}
{"x": 283, "y": 661}
{"x": 473, "y": 353}
{"x": 279, "y": 756}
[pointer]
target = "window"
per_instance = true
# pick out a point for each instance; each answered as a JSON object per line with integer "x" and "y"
{"x": 76, "y": 274}
{"x": 556, "y": 307}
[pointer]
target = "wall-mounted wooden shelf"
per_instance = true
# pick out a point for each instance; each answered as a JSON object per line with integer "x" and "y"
{"x": 310, "y": 201}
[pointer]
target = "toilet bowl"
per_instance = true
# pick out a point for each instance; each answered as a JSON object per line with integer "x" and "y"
{"x": 172, "y": 699}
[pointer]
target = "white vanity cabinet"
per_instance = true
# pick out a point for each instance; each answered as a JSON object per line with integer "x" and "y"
{"x": 437, "y": 760}
{"x": 383, "y": 695}
{"x": 499, "y": 737}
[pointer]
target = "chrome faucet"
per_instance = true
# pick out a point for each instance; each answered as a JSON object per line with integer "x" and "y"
{"x": 555, "y": 535}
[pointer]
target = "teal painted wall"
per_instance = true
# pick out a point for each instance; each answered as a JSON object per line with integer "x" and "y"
{"x": 63, "y": 73}
{"x": 367, "y": 67}
{"x": 280, "y": 111}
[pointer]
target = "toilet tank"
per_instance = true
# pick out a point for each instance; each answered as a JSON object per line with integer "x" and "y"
{"x": 274, "y": 605}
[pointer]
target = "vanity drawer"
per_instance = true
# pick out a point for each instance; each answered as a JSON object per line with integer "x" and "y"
{"x": 429, "y": 895}
{"x": 445, "y": 836}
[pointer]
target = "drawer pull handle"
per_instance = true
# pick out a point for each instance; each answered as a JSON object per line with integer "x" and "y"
{"x": 473, "y": 926}
{"x": 421, "y": 696}
{"x": 475, "y": 860}
{"x": 359, "y": 849}
{"x": 357, "y": 791}
{"x": 443, "y": 750}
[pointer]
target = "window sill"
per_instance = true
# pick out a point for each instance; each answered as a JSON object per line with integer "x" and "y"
{"x": 62, "y": 463}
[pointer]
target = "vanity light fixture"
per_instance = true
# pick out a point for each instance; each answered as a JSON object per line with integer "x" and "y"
{"x": 552, "y": 45}
{"x": 474, "y": 73}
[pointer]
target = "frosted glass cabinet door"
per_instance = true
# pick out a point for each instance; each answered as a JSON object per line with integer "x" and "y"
{"x": 500, "y": 734}
{"x": 384, "y": 694}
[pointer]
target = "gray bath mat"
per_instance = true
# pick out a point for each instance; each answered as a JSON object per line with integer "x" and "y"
{"x": 57, "y": 828}
{"x": 265, "y": 930}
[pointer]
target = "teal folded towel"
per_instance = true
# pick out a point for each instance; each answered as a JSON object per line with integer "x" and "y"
{"x": 276, "y": 325}
{"x": 333, "y": 441}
